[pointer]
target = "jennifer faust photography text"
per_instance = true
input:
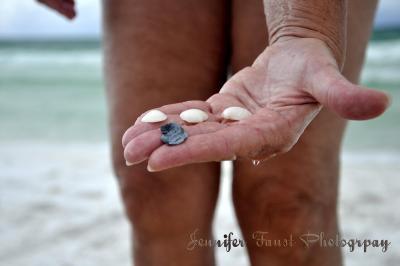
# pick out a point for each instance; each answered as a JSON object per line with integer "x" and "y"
{"x": 307, "y": 240}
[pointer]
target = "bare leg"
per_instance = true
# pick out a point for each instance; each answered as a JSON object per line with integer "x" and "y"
{"x": 156, "y": 53}
{"x": 295, "y": 193}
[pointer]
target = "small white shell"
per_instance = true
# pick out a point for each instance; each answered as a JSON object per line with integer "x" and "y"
{"x": 194, "y": 116}
{"x": 235, "y": 113}
{"x": 154, "y": 116}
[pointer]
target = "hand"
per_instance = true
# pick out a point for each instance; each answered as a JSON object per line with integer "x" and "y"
{"x": 64, "y": 7}
{"x": 284, "y": 89}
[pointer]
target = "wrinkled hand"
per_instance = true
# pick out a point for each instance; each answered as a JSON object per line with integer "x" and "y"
{"x": 284, "y": 89}
{"x": 64, "y": 7}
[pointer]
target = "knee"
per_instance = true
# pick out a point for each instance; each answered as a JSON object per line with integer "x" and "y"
{"x": 141, "y": 193}
{"x": 290, "y": 199}
{"x": 168, "y": 201}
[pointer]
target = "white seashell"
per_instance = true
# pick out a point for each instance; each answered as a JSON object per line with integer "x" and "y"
{"x": 154, "y": 116}
{"x": 194, "y": 116}
{"x": 235, "y": 113}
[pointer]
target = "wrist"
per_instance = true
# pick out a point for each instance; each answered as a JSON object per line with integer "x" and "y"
{"x": 320, "y": 19}
{"x": 289, "y": 33}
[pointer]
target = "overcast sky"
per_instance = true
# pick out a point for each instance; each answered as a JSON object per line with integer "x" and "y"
{"x": 26, "y": 18}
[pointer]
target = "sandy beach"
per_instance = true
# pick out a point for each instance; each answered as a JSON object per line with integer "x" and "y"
{"x": 62, "y": 208}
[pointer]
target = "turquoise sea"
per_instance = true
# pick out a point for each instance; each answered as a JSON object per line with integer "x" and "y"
{"x": 53, "y": 91}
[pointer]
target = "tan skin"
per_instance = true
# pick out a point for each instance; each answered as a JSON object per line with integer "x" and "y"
{"x": 180, "y": 52}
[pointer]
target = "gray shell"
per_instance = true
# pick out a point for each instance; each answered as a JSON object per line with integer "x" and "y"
{"x": 173, "y": 134}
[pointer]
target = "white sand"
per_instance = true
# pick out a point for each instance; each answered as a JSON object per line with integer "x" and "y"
{"x": 59, "y": 206}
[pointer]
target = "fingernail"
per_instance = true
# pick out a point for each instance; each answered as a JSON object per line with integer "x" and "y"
{"x": 149, "y": 168}
{"x": 230, "y": 159}
{"x": 389, "y": 103}
{"x": 128, "y": 163}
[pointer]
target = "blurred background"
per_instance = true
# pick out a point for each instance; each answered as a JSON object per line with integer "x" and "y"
{"x": 58, "y": 198}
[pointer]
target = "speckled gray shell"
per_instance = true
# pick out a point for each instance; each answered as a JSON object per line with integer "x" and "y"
{"x": 173, "y": 134}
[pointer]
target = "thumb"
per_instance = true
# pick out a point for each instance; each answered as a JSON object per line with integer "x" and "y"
{"x": 348, "y": 100}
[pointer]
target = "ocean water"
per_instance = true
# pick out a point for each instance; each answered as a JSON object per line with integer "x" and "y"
{"x": 54, "y": 90}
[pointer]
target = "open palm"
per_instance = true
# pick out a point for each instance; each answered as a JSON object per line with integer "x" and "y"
{"x": 284, "y": 90}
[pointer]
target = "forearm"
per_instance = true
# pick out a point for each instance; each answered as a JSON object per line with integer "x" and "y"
{"x": 321, "y": 19}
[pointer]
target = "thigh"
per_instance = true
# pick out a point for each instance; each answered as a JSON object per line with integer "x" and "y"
{"x": 156, "y": 53}
{"x": 249, "y": 34}
{"x": 160, "y": 52}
